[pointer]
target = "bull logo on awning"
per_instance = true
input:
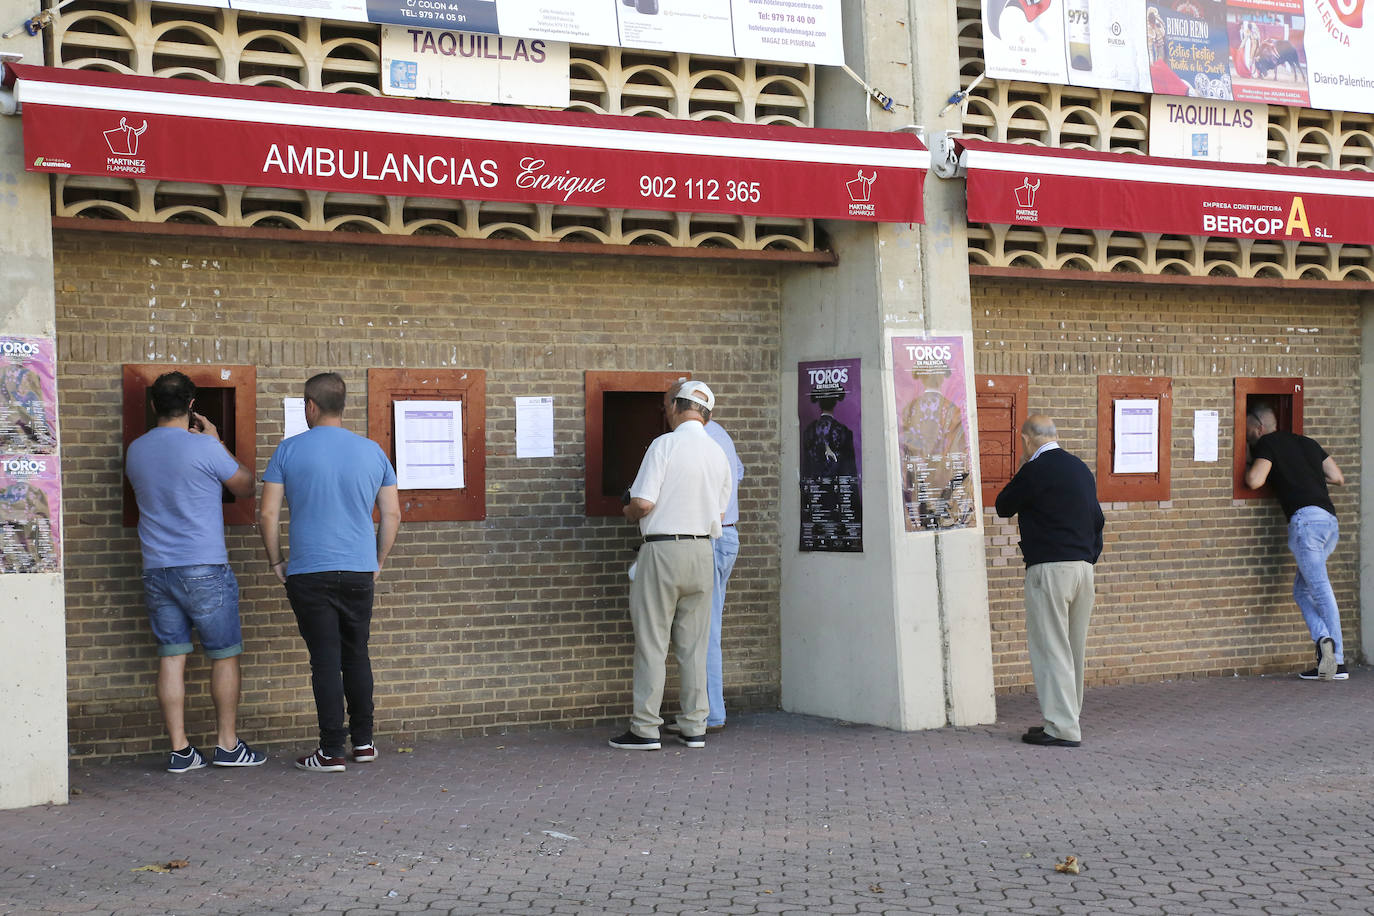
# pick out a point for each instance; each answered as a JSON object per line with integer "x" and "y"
{"x": 1025, "y": 195}
{"x": 861, "y": 188}
{"x": 123, "y": 140}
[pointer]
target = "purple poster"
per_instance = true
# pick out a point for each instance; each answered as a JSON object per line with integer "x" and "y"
{"x": 31, "y": 513}
{"x": 28, "y": 396}
{"x": 828, "y": 396}
{"x": 932, "y": 428}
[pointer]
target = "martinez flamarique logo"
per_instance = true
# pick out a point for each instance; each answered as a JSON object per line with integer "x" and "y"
{"x": 861, "y": 193}
{"x": 123, "y": 144}
{"x": 1025, "y": 200}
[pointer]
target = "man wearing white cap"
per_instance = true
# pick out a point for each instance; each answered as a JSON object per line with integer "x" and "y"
{"x": 678, "y": 499}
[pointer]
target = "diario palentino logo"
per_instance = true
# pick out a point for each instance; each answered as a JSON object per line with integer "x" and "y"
{"x": 1351, "y": 12}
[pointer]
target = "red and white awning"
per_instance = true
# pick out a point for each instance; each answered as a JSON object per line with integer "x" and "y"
{"x": 95, "y": 123}
{"x": 1029, "y": 185}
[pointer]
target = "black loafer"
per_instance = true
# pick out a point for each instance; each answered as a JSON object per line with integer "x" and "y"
{"x": 1045, "y": 739}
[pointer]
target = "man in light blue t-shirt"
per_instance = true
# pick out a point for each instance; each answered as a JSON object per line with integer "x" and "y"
{"x": 177, "y": 470}
{"x": 331, "y": 479}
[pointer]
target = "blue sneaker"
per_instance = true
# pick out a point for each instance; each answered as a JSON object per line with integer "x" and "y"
{"x": 183, "y": 762}
{"x": 240, "y": 756}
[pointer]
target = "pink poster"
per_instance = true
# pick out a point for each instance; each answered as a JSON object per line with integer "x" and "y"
{"x": 28, "y": 395}
{"x": 30, "y": 513}
{"x": 932, "y": 425}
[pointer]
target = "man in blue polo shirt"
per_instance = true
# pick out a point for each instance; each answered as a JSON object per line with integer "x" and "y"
{"x": 178, "y": 469}
{"x": 332, "y": 478}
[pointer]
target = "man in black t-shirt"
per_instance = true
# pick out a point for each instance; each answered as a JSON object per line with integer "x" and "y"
{"x": 1299, "y": 470}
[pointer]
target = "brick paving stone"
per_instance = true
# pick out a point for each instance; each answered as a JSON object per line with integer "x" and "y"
{"x": 1183, "y": 799}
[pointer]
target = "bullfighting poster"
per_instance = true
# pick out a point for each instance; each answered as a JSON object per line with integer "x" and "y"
{"x": 30, "y": 513}
{"x": 1268, "y": 57}
{"x": 30, "y": 483}
{"x": 1188, "y": 48}
{"x": 28, "y": 396}
{"x": 933, "y": 433}
{"x": 828, "y": 411}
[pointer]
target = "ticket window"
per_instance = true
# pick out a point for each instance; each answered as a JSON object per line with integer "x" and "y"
{"x": 1134, "y": 438}
{"x": 465, "y": 388}
{"x": 624, "y": 413}
{"x": 1284, "y": 397}
{"x": 225, "y": 395}
{"x": 1001, "y": 403}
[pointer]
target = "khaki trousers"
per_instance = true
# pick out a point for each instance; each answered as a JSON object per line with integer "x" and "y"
{"x": 1059, "y": 601}
{"x": 670, "y": 600}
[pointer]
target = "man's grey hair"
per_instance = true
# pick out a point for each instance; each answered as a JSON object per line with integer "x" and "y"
{"x": 681, "y": 404}
{"x": 1042, "y": 428}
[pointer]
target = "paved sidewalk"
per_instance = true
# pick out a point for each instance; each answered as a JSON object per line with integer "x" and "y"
{"x": 1191, "y": 797}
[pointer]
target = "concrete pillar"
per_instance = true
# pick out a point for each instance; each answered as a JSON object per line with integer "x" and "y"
{"x": 897, "y": 636}
{"x": 1366, "y": 522}
{"x": 33, "y": 645}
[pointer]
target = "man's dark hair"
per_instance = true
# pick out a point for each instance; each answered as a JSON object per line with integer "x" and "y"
{"x": 327, "y": 390}
{"x": 172, "y": 395}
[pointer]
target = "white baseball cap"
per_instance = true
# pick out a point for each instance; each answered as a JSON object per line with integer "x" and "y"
{"x": 697, "y": 393}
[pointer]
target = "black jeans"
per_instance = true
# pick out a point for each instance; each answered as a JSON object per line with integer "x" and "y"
{"x": 334, "y": 614}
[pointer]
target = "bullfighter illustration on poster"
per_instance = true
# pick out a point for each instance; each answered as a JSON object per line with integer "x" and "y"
{"x": 828, "y": 399}
{"x": 932, "y": 426}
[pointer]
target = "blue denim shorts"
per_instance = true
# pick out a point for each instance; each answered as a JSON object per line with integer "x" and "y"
{"x": 203, "y": 597}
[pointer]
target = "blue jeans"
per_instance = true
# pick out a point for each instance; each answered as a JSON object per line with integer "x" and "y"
{"x": 334, "y": 614}
{"x": 205, "y": 597}
{"x": 1312, "y": 534}
{"x": 726, "y": 549}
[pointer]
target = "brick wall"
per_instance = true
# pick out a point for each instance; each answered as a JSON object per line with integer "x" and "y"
{"x": 517, "y": 621}
{"x": 1200, "y": 585}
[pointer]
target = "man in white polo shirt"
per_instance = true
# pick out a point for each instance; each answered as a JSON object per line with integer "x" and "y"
{"x": 678, "y": 499}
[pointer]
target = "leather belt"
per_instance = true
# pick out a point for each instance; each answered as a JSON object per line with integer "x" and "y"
{"x": 728, "y": 525}
{"x": 648, "y": 538}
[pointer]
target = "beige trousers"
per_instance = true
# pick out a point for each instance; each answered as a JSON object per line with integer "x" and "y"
{"x": 670, "y": 601}
{"x": 1059, "y": 601}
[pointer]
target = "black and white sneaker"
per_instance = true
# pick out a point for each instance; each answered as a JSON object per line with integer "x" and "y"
{"x": 632, "y": 742}
{"x": 185, "y": 761}
{"x": 1326, "y": 667}
{"x": 692, "y": 740}
{"x": 1312, "y": 674}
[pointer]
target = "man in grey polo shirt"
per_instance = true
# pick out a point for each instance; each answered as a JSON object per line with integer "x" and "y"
{"x": 678, "y": 499}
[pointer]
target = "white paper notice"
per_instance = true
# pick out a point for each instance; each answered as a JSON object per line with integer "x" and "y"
{"x": 1205, "y": 424}
{"x": 429, "y": 445}
{"x": 294, "y": 409}
{"x": 534, "y": 427}
{"x": 1137, "y": 437}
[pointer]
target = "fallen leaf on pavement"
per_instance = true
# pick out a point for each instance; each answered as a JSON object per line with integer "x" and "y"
{"x": 166, "y": 867}
{"x": 1069, "y": 866}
